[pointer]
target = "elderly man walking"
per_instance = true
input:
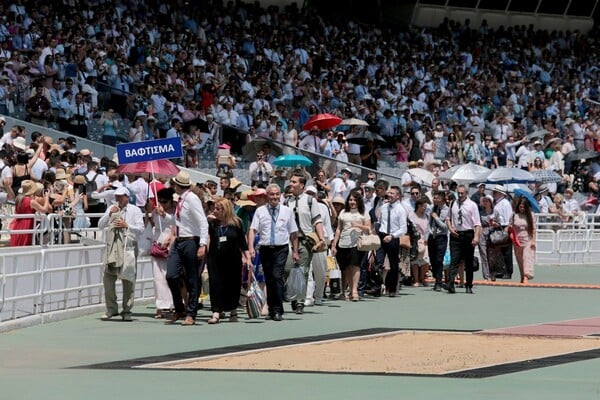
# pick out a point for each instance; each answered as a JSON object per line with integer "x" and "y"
{"x": 126, "y": 224}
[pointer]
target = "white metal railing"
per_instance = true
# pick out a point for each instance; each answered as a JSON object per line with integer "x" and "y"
{"x": 40, "y": 279}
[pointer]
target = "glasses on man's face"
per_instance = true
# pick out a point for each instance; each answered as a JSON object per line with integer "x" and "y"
{"x": 415, "y": 193}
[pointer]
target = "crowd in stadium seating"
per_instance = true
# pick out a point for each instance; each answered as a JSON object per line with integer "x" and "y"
{"x": 442, "y": 96}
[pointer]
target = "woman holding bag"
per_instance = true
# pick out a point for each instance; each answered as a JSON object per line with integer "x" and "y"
{"x": 163, "y": 227}
{"x": 227, "y": 252}
{"x": 353, "y": 221}
{"x": 524, "y": 235}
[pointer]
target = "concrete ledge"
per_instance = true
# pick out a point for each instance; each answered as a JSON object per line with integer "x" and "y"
{"x": 59, "y": 315}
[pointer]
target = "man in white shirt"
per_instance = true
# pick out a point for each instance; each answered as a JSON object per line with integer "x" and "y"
{"x": 187, "y": 251}
{"x": 277, "y": 228}
{"x": 504, "y": 209}
{"x": 260, "y": 170}
{"x": 392, "y": 225}
{"x": 141, "y": 189}
{"x": 318, "y": 268}
{"x": 341, "y": 186}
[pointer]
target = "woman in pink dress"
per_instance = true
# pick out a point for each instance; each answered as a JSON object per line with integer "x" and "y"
{"x": 523, "y": 226}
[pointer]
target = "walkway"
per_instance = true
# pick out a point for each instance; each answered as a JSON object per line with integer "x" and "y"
{"x": 50, "y": 361}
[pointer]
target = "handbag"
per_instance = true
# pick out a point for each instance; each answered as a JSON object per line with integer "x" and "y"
{"x": 499, "y": 237}
{"x": 475, "y": 264}
{"x": 255, "y": 298}
{"x": 405, "y": 241}
{"x": 295, "y": 285}
{"x": 368, "y": 242}
{"x": 158, "y": 251}
{"x": 311, "y": 241}
{"x": 373, "y": 274}
{"x": 129, "y": 269}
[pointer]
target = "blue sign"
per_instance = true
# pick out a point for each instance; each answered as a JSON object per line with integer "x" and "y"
{"x": 149, "y": 150}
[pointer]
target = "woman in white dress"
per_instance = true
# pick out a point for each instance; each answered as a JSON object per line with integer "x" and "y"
{"x": 290, "y": 138}
{"x": 163, "y": 225}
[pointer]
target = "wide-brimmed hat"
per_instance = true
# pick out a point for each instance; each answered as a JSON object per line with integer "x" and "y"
{"x": 28, "y": 187}
{"x": 244, "y": 199}
{"x": 499, "y": 189}
{"x": 412, "y": 164}
{"x": 346, "y": 170}
{"x": 60, "y": 174}
{"x": 234, "y": 183}
{"x": 19, "y": 143}
{"x": 338, "y": 200}
{"x": 57, "y": 148}
{"x": 257, "y": 193}
{"x": 79, "y": 180}
{"x": 182, "y": 179}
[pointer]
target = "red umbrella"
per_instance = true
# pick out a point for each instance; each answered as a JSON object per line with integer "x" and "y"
{"x": 155, "y": 167}
{"x": 322, "y": 121}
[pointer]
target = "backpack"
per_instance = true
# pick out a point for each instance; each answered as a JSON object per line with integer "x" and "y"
{"x": 90, "y": 187}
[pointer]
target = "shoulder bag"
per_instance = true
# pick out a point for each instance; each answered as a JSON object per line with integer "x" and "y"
{"x": 368, "y": 242}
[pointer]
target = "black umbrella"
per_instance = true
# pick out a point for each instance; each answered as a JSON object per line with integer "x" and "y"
{"x": 363, "y": 137}
{"x": 537, "y": 134}
{"x": 581, "y": 155}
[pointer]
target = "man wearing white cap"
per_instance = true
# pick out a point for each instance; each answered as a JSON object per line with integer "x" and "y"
{"x": 126, "y": 225}
{"x": 341, "y": 186}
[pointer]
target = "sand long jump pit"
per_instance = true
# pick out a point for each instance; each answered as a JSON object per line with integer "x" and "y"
{"x": 421, "y": 353}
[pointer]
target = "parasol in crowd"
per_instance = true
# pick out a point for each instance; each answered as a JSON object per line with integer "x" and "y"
{"x": 464, "y": 174}
{"x": 363, "y": 137}
{"x": 322, "y": 122}
{"x": 354, "y": 122}
{"x": 250, "y": 149}
{"x": 292, "y": 160}
{"x": 505, "y": 175}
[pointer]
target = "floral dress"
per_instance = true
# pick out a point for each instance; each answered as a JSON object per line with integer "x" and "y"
{"x": 524, "y": 253}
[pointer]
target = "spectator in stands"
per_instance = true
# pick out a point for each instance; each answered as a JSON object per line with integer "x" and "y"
{"x": 32, "y": 199}
{"x": 109, "y": 127}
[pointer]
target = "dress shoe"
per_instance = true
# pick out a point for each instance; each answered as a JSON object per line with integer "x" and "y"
{"x": 188, "y": 321}
{"x": 437, "y": 288}
{"x": 127, "y": 317}
{"x": 470, "y": 290}
{"x": 299, "y": 309}
{"x": 449, "y": 287}
{"x": 294, "y": 304}
{"x": 507, "y": 276}
{"x": 174, "y": 318}
{"x": 277, "y": 317}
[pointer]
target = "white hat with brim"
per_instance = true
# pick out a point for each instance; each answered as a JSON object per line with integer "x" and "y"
{"x": 182, "y": 179}
{"x": 19, "y": 143}
{"x": 499, "y": 189}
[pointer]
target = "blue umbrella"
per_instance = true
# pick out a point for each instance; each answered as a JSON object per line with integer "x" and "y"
{"x": 292, "y": 160}
{"x": 535, "y": 207}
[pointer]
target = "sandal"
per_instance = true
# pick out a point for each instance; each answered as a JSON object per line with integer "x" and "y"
{"x": 159, "y": 314}
{"x": 214, "y": 319}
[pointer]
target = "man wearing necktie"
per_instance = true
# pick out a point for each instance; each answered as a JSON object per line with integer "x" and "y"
{"x": 464, "y": 225}
{"x": 79, "y": 116}
{"x": 392, "y": 225}
{"x": 277, "y": 227}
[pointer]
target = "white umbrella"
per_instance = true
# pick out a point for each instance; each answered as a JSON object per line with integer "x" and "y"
{"x": 505, "y": 175}
{"x": 354, "y": 122}
{"x": 425, "y": 176}
{"x": 465, "y": 173}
